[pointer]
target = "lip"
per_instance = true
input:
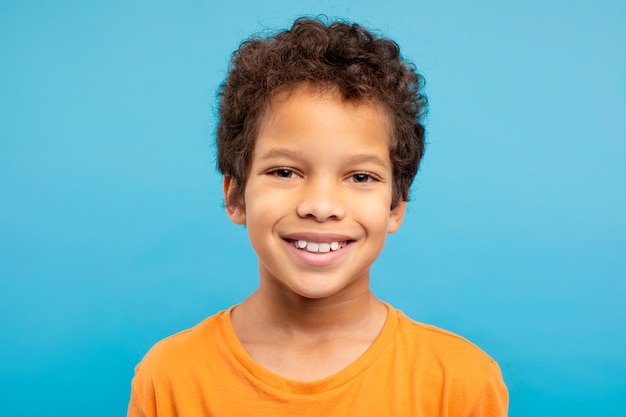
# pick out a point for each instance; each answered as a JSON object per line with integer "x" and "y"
{"x": 317, "y": 259}
{"x": 318, "y": 237}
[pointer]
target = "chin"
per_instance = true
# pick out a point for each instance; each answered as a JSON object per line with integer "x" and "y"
{"x": 324, "y": 292}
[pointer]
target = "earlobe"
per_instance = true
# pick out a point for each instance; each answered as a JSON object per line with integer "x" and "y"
{"x": 234, "y": 210}
{"x": 396, "y": 217}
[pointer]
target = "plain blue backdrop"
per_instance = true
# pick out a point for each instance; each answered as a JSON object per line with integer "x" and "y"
{"x": 113, "y": 235}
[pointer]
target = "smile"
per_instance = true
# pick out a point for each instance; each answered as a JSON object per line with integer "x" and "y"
{"x": 318, "y": 247}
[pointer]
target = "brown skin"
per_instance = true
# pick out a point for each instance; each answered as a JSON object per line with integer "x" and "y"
{"x": 307, "y": 341}
{"x": 314, "y": 314}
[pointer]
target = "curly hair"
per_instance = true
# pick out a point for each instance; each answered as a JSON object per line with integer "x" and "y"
{"x": 340, "y": 55}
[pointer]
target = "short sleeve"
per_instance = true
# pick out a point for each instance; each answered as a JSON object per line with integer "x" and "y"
{"x": 134, "y": 408}
{"x": 493, "y": 400}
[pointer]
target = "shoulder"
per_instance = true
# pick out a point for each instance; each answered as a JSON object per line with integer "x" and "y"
{"x": 437, "y": 357}
{"x": 449, "y": 347}
{"x": 184, "y": 349}
{"x": 167, "y": 375}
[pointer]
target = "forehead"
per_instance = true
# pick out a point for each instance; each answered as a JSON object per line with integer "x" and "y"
{"x": 285, "y": 105}
{"x": 323, "y": 128}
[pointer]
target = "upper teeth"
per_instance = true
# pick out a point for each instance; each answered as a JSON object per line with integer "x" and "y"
{"x": 318, "y": 247}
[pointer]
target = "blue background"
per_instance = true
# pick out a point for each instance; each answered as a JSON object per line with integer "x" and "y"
{"x": 113, "y": 235}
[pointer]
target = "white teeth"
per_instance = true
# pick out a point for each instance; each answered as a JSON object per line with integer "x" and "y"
{"x": 312, "y": 246}
{"x": 316, "y": 247}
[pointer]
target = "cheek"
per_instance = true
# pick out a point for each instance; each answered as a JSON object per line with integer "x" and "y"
{"x": 262, "y": 213}
{"x": 263, "y": 203}
{"x": 373, "y": 214}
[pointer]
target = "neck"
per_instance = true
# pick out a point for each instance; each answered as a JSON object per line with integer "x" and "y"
{"x": 307, "y": 339}
{"x": 281, "y": 312}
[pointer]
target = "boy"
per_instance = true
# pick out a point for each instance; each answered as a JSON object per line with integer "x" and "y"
{"x": 319, "y": 140}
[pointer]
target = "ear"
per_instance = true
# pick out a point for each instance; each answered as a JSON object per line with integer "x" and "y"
{"x": 396, "y": 216}
{"x": 235, "y": 211}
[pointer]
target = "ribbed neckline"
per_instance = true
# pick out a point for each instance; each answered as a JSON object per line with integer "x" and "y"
{"x": 277, "y": 382}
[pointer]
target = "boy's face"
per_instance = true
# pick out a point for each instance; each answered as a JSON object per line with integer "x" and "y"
{"x": 318, "y": 195}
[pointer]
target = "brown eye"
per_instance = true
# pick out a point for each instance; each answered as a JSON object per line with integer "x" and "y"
{"x": 283, "y": 173}
{"x": 361, "y": 178}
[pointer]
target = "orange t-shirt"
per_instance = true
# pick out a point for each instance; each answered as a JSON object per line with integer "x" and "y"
{"x": 411, "y": 369}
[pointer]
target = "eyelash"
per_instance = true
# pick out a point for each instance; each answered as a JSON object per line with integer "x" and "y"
{"x": 369, "y": 177}
{"x": 366, "y": 177}
{"x": 278, "y": 171}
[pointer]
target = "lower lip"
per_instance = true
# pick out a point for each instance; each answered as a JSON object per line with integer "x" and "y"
{"x": 318, "y": 258}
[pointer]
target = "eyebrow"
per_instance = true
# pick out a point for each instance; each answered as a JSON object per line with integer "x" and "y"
{"x": 353, "y": 159}
{"x": 281, "y": 153}
{"x": 367, "y": 158}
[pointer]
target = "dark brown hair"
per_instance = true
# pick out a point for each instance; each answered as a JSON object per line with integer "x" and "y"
{"x": 360, "y": 65}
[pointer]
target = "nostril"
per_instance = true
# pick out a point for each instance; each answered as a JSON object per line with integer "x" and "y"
{"x": 321, "y": 209}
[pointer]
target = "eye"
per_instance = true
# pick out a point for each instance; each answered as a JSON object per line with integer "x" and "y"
{"x": 283, "y": 173}
{"x": 362, "y": 178}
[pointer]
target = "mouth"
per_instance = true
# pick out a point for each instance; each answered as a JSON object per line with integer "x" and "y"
{"x": 318, "y": 247}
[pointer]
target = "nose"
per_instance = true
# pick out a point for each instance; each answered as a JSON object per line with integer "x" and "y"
{"x": 321, "y": 200}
